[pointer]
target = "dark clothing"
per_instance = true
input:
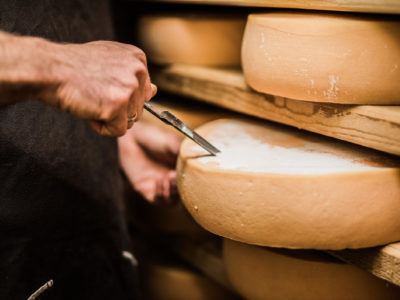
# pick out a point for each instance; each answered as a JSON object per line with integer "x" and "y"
{"x": 60, "y": 184}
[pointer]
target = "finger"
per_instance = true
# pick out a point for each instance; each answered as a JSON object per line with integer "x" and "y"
{"x": 154, "y": 90}
{"x": 116, "y": 126}
{"x": 131, "y": 119}
{"x": 166, "y": 189}
{"x": 142, "y": 94}
{"x": 132, "y": 111}
{"x": 96, "y": 125}
{"x": 173, "y": 189}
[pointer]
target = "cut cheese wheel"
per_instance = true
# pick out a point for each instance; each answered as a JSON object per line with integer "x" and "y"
{"x": 208, "y": 40}
{"x": 166, "y": 281}
{"x": 174, "y": 219}
{"x": 280, "y": 274}
{"x": 277, "y": 186}
{"x": 323, "y": 57}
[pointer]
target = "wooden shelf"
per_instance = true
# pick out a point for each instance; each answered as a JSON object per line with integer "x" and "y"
{"x": 205, "y": 256}
{"x": 383, "y": 262}
{"x": 376, "y": 127}
{"x": 369, "y": 6}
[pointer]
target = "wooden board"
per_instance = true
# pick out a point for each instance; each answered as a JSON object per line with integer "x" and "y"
{"x": 205, "y": 256}
{"x": 376, "y": 127}
{"x": 383, "y": 262}
{"x": 370, "y": 6}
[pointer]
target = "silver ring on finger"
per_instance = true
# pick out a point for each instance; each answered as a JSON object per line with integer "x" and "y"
{"x": 132, "y": 118}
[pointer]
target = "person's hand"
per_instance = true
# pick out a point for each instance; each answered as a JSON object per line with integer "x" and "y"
{"x": 148, "y": 155}
{"x": 103, "y": 82}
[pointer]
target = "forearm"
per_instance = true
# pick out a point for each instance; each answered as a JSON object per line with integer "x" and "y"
{"x": 102, "y": 82}
{"x": 26, "y": 68}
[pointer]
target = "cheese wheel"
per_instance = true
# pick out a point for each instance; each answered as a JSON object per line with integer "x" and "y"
{"x": 208, "y": 40}
{"x": 323, "y": 57}
{"x": 174, "y": 219}
{"x": 167, "y": 281}
{"x": 281, "y": 274}
{"x": 277, "y": 186}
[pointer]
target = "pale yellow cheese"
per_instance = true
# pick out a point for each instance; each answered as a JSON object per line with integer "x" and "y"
{"x": 277, "y": 186}
{"x": 281, "y": 274}
{"x": 322, "y": 57}
{"x": 195, "y": 39}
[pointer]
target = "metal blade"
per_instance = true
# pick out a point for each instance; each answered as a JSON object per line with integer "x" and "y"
{"x": 170, "y": 119}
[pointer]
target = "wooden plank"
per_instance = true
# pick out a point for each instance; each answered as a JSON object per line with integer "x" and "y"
{"x": 383, "y": 262}
{"x": 204, "y": 256}
{"x": 370, "y": 6}
{"x": 376, "y": 127}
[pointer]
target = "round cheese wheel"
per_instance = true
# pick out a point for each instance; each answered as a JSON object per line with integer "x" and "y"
{"x": 280, "y": 274}
{"x": 323, "y": 57}
{"x": 277, "y": 186}
{"x": 167, "y": 281}
{"x": 174, "y": 219}
{"x": 209, "y": 40}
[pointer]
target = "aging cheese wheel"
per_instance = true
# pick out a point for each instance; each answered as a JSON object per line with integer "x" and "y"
{"x": 277, "y": 186}
{"x": 174, "y": 219}
{"x": 323, "y": 57}
{"x": 281, "y": 274}
{"x": 166, "y": 281}
{"x": 209, "y": 40}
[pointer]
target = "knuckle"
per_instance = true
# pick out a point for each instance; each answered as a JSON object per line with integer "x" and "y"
{"x": 134, "y": 83}
{"x": 139, "y": 53}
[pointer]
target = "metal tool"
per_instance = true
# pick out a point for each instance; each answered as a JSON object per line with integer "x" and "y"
{"x": 170, "y": 119}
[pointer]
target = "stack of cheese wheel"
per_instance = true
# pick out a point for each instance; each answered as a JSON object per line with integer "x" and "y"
{"x": 315, "y": 56}
{"x": 174, "y": 219}
{"x": 280, "y": 274}
{"x": 196, "y": 39}
{"x": 277, "y": 186}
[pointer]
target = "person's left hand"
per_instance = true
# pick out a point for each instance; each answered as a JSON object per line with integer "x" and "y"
{"x": 148, "y": 156}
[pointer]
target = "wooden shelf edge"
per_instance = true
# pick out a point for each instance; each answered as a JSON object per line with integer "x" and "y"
{"x": 376, "y": 127}
{"x": 363, "y": 6}
{"x": 383, "y": 262}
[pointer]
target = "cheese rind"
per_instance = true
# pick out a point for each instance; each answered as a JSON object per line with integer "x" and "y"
{"x": 323, "y": 57}
{"x": 208, "y": 40}
{"x": 279, "y": 274}
{"x": 351, "y": 201}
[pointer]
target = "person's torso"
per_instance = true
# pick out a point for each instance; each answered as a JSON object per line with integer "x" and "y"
{"x": 57, "y": 176}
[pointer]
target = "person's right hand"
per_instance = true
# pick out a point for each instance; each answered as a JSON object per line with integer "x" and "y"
{"x": 103, "y": 82}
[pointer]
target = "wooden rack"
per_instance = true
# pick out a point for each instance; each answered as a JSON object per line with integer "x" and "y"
{"x": 376, "y": 127}
{"x": 383, "y": 262}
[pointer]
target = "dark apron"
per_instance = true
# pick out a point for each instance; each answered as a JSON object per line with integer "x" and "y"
{"x": 60, "y": 184}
